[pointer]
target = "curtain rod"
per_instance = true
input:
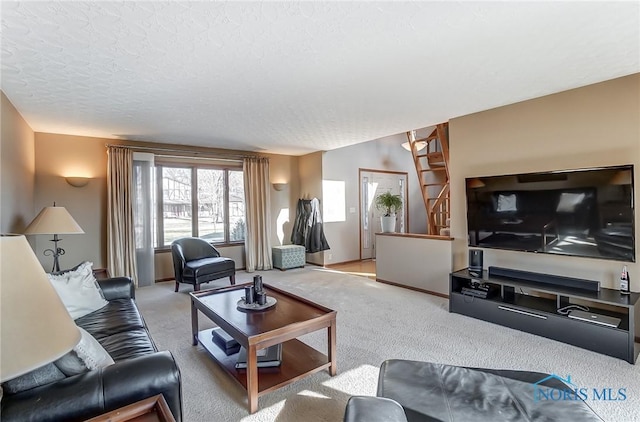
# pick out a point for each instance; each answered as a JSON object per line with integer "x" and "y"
{"x": 215, "y": 155}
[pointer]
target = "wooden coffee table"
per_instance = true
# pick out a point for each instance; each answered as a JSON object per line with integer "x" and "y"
{"x": 291, "y": 317}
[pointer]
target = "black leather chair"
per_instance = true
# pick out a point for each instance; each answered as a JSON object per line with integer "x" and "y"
{"x": 196, "y": 261}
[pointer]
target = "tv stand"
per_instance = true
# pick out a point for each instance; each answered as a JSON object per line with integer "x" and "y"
{"x": 532, "y": 307}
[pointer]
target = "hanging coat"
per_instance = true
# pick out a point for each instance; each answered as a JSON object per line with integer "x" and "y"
{"x": 307, "y": 228}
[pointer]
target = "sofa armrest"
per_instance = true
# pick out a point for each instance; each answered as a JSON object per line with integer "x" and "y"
{"x": 93, "y": 393}
{"x": 142, "y": 377}
{"x": 117, "y": 288}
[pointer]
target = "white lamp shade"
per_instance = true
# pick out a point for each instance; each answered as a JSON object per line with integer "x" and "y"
{"x": 36, "y": 328}
{"x": 53, "y": 220}
{"x": 419, "y": 145}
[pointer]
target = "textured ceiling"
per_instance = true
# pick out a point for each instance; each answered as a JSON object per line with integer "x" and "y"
{"x": 289, "y": 77}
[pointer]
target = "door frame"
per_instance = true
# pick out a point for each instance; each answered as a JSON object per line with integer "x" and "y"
{"x": 405, "y": 206}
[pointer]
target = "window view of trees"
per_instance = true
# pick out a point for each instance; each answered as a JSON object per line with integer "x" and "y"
{"x": 214, "y": 196}
{"x": 176, "y": 203}
{"x": 236, "y": 206}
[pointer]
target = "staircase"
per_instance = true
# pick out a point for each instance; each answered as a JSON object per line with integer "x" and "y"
{"x": 432, "y": 166}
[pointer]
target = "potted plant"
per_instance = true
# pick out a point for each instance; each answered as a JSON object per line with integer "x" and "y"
{"x": 390, "y": 204}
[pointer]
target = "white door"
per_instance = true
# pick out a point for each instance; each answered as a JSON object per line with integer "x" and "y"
{"x": 372, "y": 184}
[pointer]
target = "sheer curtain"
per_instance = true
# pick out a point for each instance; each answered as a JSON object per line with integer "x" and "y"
{"x": 258, "y": 238}
{"x": 143, "y": 215}
{"x": 121, "y": 254}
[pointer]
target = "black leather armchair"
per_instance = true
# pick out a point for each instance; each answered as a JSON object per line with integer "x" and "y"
{"x": 196, "y": 261}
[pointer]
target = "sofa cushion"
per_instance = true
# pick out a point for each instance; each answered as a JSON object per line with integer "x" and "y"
{"x": 118, "y": 316}
{"x": 129, "y": 344}
{"x": 206, "y": 266}
{"x": 40, "y": 376}
{"x": 78, "y": 290}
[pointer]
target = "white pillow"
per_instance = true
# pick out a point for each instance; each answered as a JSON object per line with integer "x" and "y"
{"x": 86, "y": 356}
{"x": 78, "y": 290}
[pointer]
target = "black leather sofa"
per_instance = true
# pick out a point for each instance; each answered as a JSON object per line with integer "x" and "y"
{"x": 139, "y": 372}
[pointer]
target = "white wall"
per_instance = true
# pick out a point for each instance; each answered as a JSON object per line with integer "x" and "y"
{"x": 343, "y": 164}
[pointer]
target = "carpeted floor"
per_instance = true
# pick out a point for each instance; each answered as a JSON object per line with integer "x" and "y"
{"x": 375, "y": 322}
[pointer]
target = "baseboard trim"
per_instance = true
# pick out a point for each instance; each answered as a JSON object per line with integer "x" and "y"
{"x": 335, "y": 264}
{"x": 417, "y": 289}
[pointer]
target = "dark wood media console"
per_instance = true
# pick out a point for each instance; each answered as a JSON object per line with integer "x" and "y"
{"x": 532, "y": 307}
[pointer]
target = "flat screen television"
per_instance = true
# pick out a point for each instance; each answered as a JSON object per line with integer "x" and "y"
{"x": 586, "y": 212}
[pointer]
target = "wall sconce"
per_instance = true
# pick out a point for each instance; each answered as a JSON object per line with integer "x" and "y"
{"x": 279, "y": 186}
{"x": 77, "y": 182}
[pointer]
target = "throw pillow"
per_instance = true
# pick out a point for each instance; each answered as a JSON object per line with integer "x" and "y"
{"x": 86, "y": 356}
{"x": 78, "y": 290}
{"x": 40, "y": 376}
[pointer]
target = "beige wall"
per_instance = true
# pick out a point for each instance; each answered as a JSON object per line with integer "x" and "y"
{"x": 283, "y": 169}
{"x": 597, "y": 125}
{"x": 310, "y": 174}
{"x": 59, "y": 156}
{"x": 17, "y": 173}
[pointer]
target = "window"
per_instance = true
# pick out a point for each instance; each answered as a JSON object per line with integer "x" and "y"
{"x": 214, "y": 196}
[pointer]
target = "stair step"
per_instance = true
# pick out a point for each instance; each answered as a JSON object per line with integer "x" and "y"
{"x": 434, "y": 184}
{"x": 433, "y": 169}
{"x": 435, "y": 157}
{"x": 427, "y": 139}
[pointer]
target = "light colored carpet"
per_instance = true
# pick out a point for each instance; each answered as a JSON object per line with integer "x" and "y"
{"x": 375, "y": 322}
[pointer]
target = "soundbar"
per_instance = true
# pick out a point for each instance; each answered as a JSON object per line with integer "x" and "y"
{"x": 554, "y": 280}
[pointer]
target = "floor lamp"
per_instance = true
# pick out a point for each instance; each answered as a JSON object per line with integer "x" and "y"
{"x": 36, "y": 327}
{"x": 54, "y": 220}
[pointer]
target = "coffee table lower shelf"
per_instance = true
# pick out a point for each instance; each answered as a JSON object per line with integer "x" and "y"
{"x": 298, "y": 361}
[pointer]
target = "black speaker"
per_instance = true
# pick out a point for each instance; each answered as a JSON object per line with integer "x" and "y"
{"x": 555, "y": 280}
{"x": 475, "y": 262}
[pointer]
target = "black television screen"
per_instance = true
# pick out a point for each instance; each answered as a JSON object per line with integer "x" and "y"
{"x": 587, "y": 212}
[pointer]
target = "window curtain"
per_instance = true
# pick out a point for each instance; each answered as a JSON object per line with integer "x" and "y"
{"x": 121, "y": 251}
{"x": 258, "y": 237}
{"x": 143, "y": 215}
